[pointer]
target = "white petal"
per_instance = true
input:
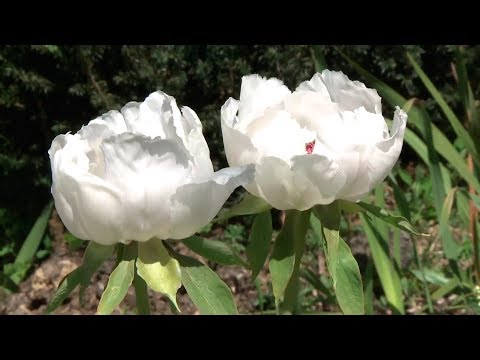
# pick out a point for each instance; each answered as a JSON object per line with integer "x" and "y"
{"x": 385, "y": 153}
{"x": 360, "y": 127}
{"x": 277, "y": 134}
{"x": 311, "y": 110}
{"x": 113, "y": 120}
{"x": 195, "y": 205}
{"x": 326, "y": 176}
{"x": 238, "y": 147}
{"x": 315, "y": 84}
{"x": 150, "y": 117}
{"x": 149, "y": 172}
{"x": 88, "y": 206}
{"x": 350, "y": 95}
{"x": 257, "y": 94}
{"x": 196, "y": 144}
{"x": 353, "y": 164}
{"x": 313, "y": 180}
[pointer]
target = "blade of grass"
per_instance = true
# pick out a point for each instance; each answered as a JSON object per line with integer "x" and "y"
{"x": 402, "y": 206}
{"x": 449, "y": 114}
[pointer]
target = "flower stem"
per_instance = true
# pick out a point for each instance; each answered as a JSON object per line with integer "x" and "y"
{"x": 141, "y": 294}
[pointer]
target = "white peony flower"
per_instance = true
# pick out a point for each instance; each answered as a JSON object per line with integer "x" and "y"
{"x": 325, "y": 141}
{"x": 140, "y": 173}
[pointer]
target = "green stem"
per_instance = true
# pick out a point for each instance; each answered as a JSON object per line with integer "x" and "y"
{"x": 141, "y": 294}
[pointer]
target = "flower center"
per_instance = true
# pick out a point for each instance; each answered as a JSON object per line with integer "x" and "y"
{"x": 309, "y": 147}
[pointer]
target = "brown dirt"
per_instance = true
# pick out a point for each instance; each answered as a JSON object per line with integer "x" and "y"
{"x": 35, "y": 292}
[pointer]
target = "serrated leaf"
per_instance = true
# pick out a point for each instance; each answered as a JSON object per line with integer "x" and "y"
{"x": 160, "y": 271}
{"x": 259, "y": 242}
{"x": 214, "y": 250}
{"x": 207, "y": 291}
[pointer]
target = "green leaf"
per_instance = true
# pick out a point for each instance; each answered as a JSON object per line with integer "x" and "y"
{"x": 118, "y": 282}
{"x": 432, "y": 276}
{"x": 67, "y": 285}
{"x": 368, "y": 288}
{"x": 214, "y": 250}
{"x": 249, "y": 205}
{"x": 317, "y": 283}
{"x": 349, "y": 206}
{"x": 259, "y": 242}
{"x": 287, "y": 251}
{"x": 386, "y": 270}
{"x": 445, "y": 289}
{"x": 160, "y": 271}
{"x": 318, "y": 58}
{"x": 443, "y": 204}
{"x": 7, "y": 283}
{"x": 30, "y": 245}
{"x": 420, "y": 148}
{"x": 450, "y": 115}
{"x": 467, "y": 97}
{"x": 349, "y": 289}
{"x": 451, "y": 248}
{"x": 207, "y": 291}
{"x": 475, "y": 199}
{"x": 95, "y": 255}
{"x": 141, "y": 295}
{"x": 395, "y": 220}
{"x": 347, "y": 281}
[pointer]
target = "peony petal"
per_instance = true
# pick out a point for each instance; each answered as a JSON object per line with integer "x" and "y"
{"x": 195, "y": 205}
{"x": 362, "y": 127}
{"x": 238, "y": 147}
{"x": 113, "y": 119}
{"x": 196, "y": 144}
{"x": 277, "y": 134}
{"x": 350, "y": 95}
{"x": 257, "y": 94}
{"x": 385, "y": 153}
{"x": 276, "y": 184}
{"x": 311, "y": 110}
{"x": 315, "y": 84}
{"x": 151, "y": 117}
{"x": 149, "y": 172}
{"x": 326, "y": 176}
{"x": 88, "y": 206}
{"x": 353, "y": 163}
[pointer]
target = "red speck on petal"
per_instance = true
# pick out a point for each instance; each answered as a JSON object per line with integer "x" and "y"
{"x": 309, "y": 147}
